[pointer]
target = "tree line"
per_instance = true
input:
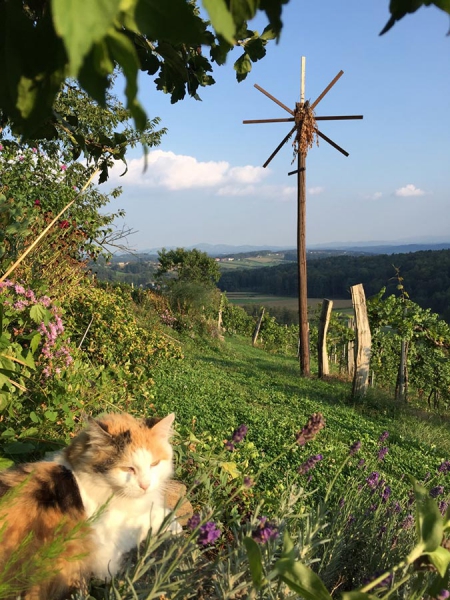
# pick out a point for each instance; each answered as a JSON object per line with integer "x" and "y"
{"x": 426, "y": 276}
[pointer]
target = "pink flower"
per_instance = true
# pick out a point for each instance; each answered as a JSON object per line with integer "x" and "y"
{"x": 37, "y": 202}
{"x": 1, "y": 147}
{"x": 19, "y": 289}
{"x": 63, "y": 167}
{"x": 21, "y": 158}
{"x": 64, "y": 224}
{"x": 34, "y": 150}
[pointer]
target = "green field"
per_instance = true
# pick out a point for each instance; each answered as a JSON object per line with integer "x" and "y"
{"x": 268, "y": 301}
{"x": 251, "y": 262}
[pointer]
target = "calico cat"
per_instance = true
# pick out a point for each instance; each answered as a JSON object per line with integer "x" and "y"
{"x": 113, "y": 471}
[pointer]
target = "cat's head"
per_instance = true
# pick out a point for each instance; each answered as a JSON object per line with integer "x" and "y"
{"x": 133, "y": 457}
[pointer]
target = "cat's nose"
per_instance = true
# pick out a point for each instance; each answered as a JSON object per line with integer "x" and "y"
{"x": 143, "y": 485}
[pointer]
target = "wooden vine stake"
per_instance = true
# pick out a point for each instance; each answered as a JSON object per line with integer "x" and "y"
{"x": 324, "y": 321}
{"x": 304, "y": 122}
{"x": 363, "y": 342}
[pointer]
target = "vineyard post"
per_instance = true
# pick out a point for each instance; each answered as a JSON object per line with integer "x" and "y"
{"x": 327, "y": 307}
{"x": 363, "y": 341}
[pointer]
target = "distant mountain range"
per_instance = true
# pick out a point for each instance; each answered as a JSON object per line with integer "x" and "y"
{"x": 372, "y": 247}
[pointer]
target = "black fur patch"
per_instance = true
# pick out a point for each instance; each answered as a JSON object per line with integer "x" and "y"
{"x": 106, "y": 465}
{"x": 151, "y": 421}
{"x": 59, "y": 491}
{"x": 121, "y": 440}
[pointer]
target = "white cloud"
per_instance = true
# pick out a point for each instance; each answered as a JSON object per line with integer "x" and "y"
{"x": 374, "y": 196}
{"x": 179, "y": 172}
{"x": 409, "y": 190}
{"x": 315, "y": 191}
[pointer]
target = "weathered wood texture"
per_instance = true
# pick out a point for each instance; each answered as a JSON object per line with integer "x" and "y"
{"x": 324, "y": 321}
{"x": 351, "y": 351}
{"x": 363, "y": 341}
{"x": 258, "y": 327}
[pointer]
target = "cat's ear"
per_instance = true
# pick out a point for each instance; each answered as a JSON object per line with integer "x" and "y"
{"x": 163, "y": 428}
{"x": 98, "y": 431}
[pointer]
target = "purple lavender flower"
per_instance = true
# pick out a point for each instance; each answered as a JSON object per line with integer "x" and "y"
{"x": 373, "y": 480}
{"x": 386, "y": 493}
{"x": 444, "y": 467}
{"x": 382, "y": 453}
{"x": 443, "y": 505}
{"x": 266, "y": 530}
{"x": 354, "y": 448}
{"x": 194, "y": 521}
{"x": 237, "y": 437}
{"x": 383, "y": 437}
{"x": 315, "y": 423}
{"x": 407, "y": 522}
{"x": 209, "y": 533}
{"x": 396, "y": 507}
{"x": 309, "y": 464}
{"x": 239, "y": 434}
{"x": 436, "y": 491}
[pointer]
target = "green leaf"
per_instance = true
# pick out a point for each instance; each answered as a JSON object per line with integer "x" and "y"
{"x": 174, "y": 21}
{"x": 221, "y": 19}
{"x": 301, "y": 579}
{"x": 34, "y": 417}
{"x": 81, "y": 23}
{"x": 255, "y": 561}
{"x": 123, "y": 51}
{"x": 243, "y": 66}
{"x": 429, "y": 522}
{"x": 34, "y": 342}
{"x": 51, "y": 415}
{"x": 255, "y": 49}
{"x": 440, "y": 559}
{"x": 231, "y": 468}
{"x": 39, "y": 314}
{"x": 18, "y": 448}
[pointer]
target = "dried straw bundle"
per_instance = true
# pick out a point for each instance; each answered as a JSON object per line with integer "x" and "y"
{"x": 306, "y": 131}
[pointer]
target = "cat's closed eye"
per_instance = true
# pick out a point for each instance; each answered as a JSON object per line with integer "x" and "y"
{"x": 156, "y": 463}
{"x": 128, "y": 470}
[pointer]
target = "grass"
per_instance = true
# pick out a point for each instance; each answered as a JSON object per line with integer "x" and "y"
{"x": 216, "y": 388}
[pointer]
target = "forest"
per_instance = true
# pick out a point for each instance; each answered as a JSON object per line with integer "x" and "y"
{"x": 426, "y": 277}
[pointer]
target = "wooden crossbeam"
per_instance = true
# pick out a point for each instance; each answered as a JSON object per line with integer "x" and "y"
{"x": 278, "y": 148}
{"x": 339, "y": 118}
{"x": 249, "y": 121}
{"x": 327, "y": 139}
{"x": 258, "y": 87}
{"x": 327, "y": 89}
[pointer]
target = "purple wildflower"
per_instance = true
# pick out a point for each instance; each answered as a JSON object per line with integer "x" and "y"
{"x": 383, "y": 437}
{"x": 354, "y": 448}
{"x": 309, "y": 464}
{"x": 382, "y": 452}
{"x": 407, "y": 522}
{"x": 20, "y": 304}
{"x": 396, "y": 507}
{"x": 361, "y": 463}
{"x": 385, "y": 494}
{"x": 443, "y": 595}
{"x": 239, "y": 434}
{"x": 248, "y": 482}
{"x": 229, "y": 445}
{"x": 436, "y": 491}
{"x": 443, "y": 505}
{"x": 19, "y": 289}
{"x": 265, "y": 531}
{"x": 373, "y": 480}
{"x": 315, "y": 423}
{"x": 209, "y": 533}
{"x": 194, "y": 521}
{"x": 444, "y": 467}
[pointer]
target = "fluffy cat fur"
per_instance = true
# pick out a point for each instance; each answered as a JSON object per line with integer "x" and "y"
{"x": 103, "y": 492}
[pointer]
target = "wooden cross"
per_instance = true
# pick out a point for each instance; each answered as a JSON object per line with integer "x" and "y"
{"x": 304, "y": 121}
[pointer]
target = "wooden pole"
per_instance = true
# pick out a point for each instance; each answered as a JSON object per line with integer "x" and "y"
{"x": 363, "y": 342}
{"x": 327, "y": 307}
{"x": 258, "y": 327}
{"x": 301, "y": 258}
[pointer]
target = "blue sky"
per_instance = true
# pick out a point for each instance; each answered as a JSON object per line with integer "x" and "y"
{"x": 205, "y": 184}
